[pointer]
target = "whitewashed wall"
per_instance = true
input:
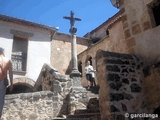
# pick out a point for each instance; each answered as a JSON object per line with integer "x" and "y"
{"x": 38, "y": 46}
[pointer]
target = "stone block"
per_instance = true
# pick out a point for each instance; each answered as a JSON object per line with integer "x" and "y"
{"x": 15, "y": 96}
{"x": 146, "y": 25}
{"x": 115, "y": 85}
{"x": 43, "y": 93}
{"x": 135, "y": 88}
{"x": 127, "y": 96}
{"x": 146, "y": 71}
{"x": 134, "y": 80}
{"x": 49, "y": 94}
{"x": 36, "y": 96}
{"x": 136, "y": 29}
{"x": 63, "y": 85}
{"x": 120, "y": 96}
{"x": 125, "y": 80}
{"x": 133, "y": 22}
{"x": 116, "y": 97}
{"x": 131, "y": 70}
{"x": 124, "y": 107}
{"x": 113, "y": 77}
{"x": 124, "y": 18}
{"x": 131, "y": 42}
{"x": 116, "y": 61}
{"x": 114, "y": 55}
{"x": 125, "y": 70}
{"x": 60, "y": 77}
{"x": 114, "y": 109}
{"x": 121, "y": 2}
{"x": 125, "y": 25}
{"x": 127, "y": 33}
{"x": 57, "y": 88}
{"x": 113, "y": 68}
{"x": 55, "y": 105}
{"x": 131, "y": 50}
{"x": 23, "y": 96}
{"x": 55, "y": 99}
{"x": 69, "y": 84}
{"x": 29, "y": 95}
{"x": 32, "y": 116}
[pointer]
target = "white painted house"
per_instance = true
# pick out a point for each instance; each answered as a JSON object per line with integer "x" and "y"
{"x": 27, "y": 44}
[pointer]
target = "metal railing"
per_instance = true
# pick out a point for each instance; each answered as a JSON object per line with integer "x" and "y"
{"x": 19, "y": 61}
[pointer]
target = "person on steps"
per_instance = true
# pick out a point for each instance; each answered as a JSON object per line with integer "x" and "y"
{"x": 89, "y": 74}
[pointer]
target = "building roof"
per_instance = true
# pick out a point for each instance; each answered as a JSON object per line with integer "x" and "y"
{"x": 26, "y": 23}
{"x": 109, "y": 21}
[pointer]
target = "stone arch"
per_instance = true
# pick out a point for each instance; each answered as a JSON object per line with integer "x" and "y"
{"x": 97, "y": 56}
{"x": 80, "y": 66}
{"x": 22, "y": 85}
{"x": 107, "y": 32}
{"x": 89, "y": 58}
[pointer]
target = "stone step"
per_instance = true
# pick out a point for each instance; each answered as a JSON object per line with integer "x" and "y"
{"x": 93, "y": 95}
{"x": 78, "y": 119}
{"x": 59, "y": 118}
{"x": 93, "y": 103}
{"x": 96, "y": 118}
{"x": 86, "y": 115}
{"x": 87, "y": 111}
{"x": 90, "y": 118}
{"x": 94, "y": 89}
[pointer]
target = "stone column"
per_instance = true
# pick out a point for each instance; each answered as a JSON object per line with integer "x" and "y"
{"x": 75, "y": 74}
{"x": 94, "y": 67}
{"x": 83, "y": 80}
{"x": 74, "y": 54}
{"x": 77, "y": 93}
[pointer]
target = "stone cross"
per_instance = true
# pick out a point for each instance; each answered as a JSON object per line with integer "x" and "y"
{"x": 75, "y": 74}
{"x": 72, "y": 19}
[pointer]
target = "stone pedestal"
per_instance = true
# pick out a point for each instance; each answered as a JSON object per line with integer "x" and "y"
{"x": 78, "y": 94}
{"x": 76, "y": 76}
{"x": 78, "y": 99}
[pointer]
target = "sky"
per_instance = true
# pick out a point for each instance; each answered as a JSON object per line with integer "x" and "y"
{"x": 51, "y": 12}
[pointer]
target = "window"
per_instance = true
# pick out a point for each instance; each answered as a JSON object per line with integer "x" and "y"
{"x": 156, "y": 13}
{"x": 154, "y": 10}
{"x": 107, "y": 32}
{"x": 19, "y": 54}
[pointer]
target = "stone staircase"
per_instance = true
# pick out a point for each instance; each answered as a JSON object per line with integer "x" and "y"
{"x": 92, "y": 112}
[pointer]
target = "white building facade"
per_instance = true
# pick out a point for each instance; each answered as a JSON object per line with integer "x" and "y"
{"x": 27, "y": 44}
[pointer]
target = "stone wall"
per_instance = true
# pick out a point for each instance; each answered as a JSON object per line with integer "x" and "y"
{"x": 50, "y": 79}
{"x": 30, "y": 106}
{"x": 120, "y": 77}
{"x": 52, "y": 99}
{"x": 141, "y": 33}
{"x": 151, "y": 87}
{"x": 61, "y": 51}
{"x": 115, "y": 42}
{"x": 67, "y": 98}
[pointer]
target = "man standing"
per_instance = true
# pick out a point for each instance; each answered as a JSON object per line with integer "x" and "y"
{"x": 89, "y": 74}
{"x": 5, "y": 67}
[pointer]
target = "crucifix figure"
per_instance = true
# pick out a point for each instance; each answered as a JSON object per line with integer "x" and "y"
{"x": 72, "y": 19}
{"x": 75, "y": 74}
